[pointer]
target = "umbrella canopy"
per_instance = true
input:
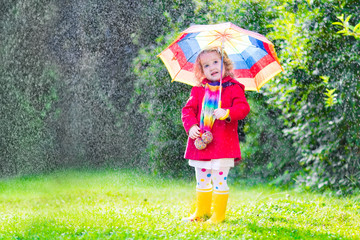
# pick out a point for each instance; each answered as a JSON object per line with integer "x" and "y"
{"x": 253, "y": 55}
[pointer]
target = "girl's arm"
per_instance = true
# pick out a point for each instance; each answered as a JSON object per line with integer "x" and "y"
{"x": 190, "y": 110}
{"x": 240, "y": 107}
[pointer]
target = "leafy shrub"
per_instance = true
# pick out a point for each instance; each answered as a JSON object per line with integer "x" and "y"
{"x": 318, "y": 93}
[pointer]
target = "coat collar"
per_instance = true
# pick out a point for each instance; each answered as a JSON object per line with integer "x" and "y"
{"x": 224, "y": 80}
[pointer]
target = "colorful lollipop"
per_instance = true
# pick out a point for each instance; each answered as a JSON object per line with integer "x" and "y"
{"x": 207, "y": 137}
{"x": 199, "y": 144}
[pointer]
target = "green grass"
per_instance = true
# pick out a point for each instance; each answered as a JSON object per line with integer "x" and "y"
{"x": 131, "y": 205}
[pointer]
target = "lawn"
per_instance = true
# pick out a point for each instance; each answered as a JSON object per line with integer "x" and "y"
{"x": 128, "y": 204}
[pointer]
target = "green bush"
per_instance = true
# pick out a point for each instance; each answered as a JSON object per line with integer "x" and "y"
{"x": 318, "y": 93}
{"x": 27, "y": 88}
{"x": 161, "y": 102}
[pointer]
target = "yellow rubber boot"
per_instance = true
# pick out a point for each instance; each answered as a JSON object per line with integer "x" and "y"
{"x": 220, "y": 199}
{"x": 203, "y": 205}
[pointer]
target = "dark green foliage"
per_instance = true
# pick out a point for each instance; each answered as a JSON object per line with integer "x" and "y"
{"x": 161, "y": 102}
{"x": 318, "y": 94}
{"x": 66, "y": 82}
{"x": 28, "y": 90}
{"x": 267, "y": 154}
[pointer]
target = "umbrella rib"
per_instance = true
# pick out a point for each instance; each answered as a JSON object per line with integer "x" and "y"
{"x": 239, "y": 54}
{"x": 236, "y": 50}
{"x": 181, "y": 67}
{"x": 199, "y": 36}
{"x": 213, "y": 40}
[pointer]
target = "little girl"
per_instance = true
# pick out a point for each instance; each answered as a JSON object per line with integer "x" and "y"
{"x": 212, "y": 163}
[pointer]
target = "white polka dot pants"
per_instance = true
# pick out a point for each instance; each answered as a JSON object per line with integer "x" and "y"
{"x": 218, "y": 178}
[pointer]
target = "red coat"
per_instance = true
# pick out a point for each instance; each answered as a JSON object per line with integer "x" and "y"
{"x": 226, "y": 140}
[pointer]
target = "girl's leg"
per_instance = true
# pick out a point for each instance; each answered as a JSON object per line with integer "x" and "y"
{"x": 203, "y": 178}
{"x": 203, "y": 195}
{"x": 219, "y": 178}
{"x": 221, "y": 194}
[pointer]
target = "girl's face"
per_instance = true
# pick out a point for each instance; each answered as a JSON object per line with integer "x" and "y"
{"x": 211, "y": 65}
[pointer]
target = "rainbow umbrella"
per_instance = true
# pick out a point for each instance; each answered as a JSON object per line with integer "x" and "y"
{"x": 253, "y": 55}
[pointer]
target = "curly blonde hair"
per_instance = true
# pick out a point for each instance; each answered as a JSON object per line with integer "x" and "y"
{"x": 198, "y": 68}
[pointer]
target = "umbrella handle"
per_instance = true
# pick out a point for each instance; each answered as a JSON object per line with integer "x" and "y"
{"x": 221, "y": 71}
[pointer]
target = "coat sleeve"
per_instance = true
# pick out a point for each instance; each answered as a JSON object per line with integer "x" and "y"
{"x": 240, "y": 107}
{"x": 190, "y": 110}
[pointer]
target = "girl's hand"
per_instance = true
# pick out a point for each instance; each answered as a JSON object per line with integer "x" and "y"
{"x": 194, "y": 132}
{"x": 220, "y": 112}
